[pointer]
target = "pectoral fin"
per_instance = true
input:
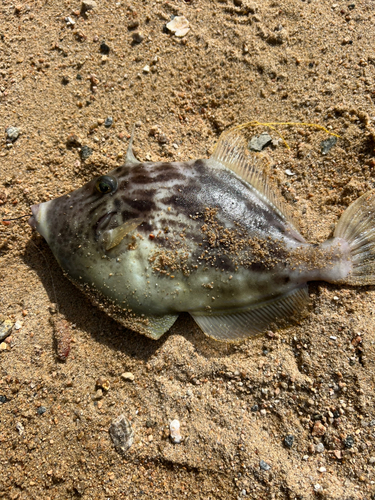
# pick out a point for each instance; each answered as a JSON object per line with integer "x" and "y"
{"x": 113, "y": 237}
{"x": 253, "y": 320}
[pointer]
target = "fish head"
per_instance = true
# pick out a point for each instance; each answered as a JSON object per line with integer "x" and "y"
{"x": 87, "y": 224}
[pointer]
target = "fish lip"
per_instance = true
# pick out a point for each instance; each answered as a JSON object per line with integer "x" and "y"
{"x": 103, "y": 222}
{"x": 33, "y": 221}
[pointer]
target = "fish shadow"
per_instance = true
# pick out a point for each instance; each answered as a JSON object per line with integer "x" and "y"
{"x": 72, "y": 304}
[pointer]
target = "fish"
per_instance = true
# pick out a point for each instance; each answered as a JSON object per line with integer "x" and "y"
{"x": 211, "y": 237}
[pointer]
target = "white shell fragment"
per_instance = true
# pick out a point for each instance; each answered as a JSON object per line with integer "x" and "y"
{"x": 289, "y": 172}
{"x": 174, "y": 431}
{"x": 20, "y": 428}
{"x": 179, "y": 26}
{"x": 122, "y": 434}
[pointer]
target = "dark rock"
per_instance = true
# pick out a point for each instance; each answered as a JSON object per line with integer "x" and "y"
{"x": 3, "y": 399}
{"x": 349, "y": 442}
{"x": 288, "y": 441}
{"x": 41, "y": 410}
{"x": 255, "y": 408}
{"x": 104, "y": 49}
{"x": 108, "y": 122}
{"x": 86, "y": 152}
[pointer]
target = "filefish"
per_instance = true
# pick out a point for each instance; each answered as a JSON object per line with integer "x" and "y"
{"x": 210, "y": 237}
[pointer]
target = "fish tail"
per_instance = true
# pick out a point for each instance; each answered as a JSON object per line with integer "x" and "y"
{"x": 357, "y": 227}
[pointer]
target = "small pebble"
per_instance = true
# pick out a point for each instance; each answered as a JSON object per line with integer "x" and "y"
{"x": 5, "y": 329}
{"x": 318, "y": 487}
{"x": 371, "y": 460}
{"x": 3, "y": 399}
{"x": 174, "y": 431}
{"x": 146, "y": 69}
{"x": 289, "y": 172}
{"x": 255, "y": 408}
{"x": 122, "y": 434}
{"x": 4, "y": 346}
{"x": 98, "y": 394}
{"x": 264, "y": 465}
{"x": 108, "y": 122}
{"x": 349, "y": 442}
{"x": 319, "y": 448}
{"x": 104, "y": 49}
{"x": 322, "y": 469}
{"x": 318, "y": 429}
{"x": 41, "y": 410}
{"x": 260, "y": 142}
{"x": 327, "y": 145}
{"x": 88, "y": 5}
{"x": 162, "y": 139}
{"x": 132, "y": 25}
{"x": 128, "y": 376}
{"x": 12, "y": 134}
{"x": 86, "y": 152}
{"x": 73, "y": 141}
{"x": 18, "y": 325}
{"x": 20, "y": 428}
{"x": 103, "y": 383}
{"x": 137, "y": 37}
{"x": 289, "y": 440}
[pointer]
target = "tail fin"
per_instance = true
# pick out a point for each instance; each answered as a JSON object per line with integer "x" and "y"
{"x": 357, "y": 227}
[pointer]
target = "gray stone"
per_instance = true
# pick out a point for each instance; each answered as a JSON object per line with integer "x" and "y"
{"x": 122, "y": 434}
{"x": 12, "y": 134}
{"x": 86, "y": 152}
{"x": 108, "y": 122}
{"x": 327, "y": 145}
{"x": 264, "y": 465}
{"x": 260, "y": 142}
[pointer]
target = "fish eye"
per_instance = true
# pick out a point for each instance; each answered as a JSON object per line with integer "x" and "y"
{"x": 106, "y": 184}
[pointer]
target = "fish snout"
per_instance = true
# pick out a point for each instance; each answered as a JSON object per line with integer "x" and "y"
{"x": 34, "y": 218}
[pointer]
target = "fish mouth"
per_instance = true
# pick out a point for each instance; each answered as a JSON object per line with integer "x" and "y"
{"x": 33, "y": 221}
{"x": 103, "y": 222}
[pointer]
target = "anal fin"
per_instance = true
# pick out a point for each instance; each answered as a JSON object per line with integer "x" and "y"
{"x": 158, "y": 325}
{"x": 239, "y": 325}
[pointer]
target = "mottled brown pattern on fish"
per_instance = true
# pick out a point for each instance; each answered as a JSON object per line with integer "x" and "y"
{"x": 209, "y": 237}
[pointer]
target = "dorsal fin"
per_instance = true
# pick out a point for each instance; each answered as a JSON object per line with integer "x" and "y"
{"x": 130, "y": 158}
{"x": 231, "y": 151}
